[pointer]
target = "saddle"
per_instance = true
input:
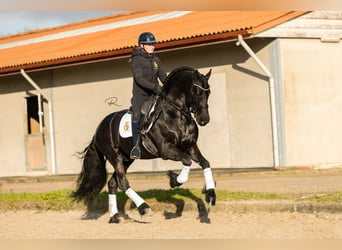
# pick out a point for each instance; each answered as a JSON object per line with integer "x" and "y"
{"x": 150, "y": 111}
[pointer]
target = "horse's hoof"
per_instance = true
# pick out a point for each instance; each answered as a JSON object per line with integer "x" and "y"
{"x": 173, "y": 179}
{"x": 114, "y": 219}
{"x": 144, "y": 209}
{"x": 205, "y": 219}
{"x": 210, "y": 197}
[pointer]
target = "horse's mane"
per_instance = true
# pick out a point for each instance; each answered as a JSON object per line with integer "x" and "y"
{"x": 176, "y": 70}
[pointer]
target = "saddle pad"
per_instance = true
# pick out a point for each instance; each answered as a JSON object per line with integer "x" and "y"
{"x": 125, "y": 127}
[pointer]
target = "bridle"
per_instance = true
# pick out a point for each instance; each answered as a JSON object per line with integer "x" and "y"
{"x": 194, "y": 109}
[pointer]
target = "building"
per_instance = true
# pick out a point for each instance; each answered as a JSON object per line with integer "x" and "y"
{"x": 275, "y": 92}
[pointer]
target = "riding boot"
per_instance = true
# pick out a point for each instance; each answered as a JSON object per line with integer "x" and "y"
{"x": 135, "y": 153}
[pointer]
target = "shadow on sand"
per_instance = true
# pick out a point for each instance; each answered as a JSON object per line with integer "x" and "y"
{"x": 173, "y": 209}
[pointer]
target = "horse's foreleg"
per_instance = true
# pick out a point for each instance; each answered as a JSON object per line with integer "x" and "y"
{"x": 173, "y": 153}
{"x": 177, "y": 180}
{"x": 210, "y": 195}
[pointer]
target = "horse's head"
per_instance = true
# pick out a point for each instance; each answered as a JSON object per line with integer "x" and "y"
{"x": 200, "y": 91}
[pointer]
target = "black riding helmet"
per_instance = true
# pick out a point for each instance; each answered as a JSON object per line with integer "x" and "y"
{"x": 147, "y": 37}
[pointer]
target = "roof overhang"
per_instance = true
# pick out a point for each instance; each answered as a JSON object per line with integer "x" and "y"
{"x": 126, "y": 53}
{"x": 64, "y": 47}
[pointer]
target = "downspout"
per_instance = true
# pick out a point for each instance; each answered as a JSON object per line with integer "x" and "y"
{"x": 40, "y": 113}
{"x": 51, "y": 119}
{"x": 272, "y": 98}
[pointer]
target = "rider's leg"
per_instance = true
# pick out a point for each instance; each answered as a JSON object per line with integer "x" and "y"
{"x": 135, "y": 153}
{"x": 137, "y": 102}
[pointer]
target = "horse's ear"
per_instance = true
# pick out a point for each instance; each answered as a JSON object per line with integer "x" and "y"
{"x": 196, "y": 74}
{"x": 208, "y": 75}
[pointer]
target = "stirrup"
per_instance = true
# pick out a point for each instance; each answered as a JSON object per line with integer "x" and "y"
{"x": 135, "y": 153}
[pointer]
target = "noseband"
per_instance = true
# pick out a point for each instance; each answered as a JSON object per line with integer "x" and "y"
{"x": 204, "y": 89}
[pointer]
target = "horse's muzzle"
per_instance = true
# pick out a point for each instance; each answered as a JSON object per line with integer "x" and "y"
{"x": 203, "y": 123}
{"x": 202, "y": 120}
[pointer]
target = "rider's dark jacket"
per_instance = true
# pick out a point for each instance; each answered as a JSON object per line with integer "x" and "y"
{"x": 146, "y": 69}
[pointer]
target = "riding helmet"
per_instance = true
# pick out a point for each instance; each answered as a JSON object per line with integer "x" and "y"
{"x": 147, "y": 37}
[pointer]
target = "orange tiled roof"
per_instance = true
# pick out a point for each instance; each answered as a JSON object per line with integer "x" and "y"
{"x": 114, "y": 36}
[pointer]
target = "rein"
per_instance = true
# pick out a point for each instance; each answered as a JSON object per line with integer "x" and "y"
{"x": 183, "y": 112}
{"x": 192, "y": 109}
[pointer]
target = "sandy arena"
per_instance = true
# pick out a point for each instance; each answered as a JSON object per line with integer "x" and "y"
{"x": 69, "y": 225}
{"x": 26, "y": 224}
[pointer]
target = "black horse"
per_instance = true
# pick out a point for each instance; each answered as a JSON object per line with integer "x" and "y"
{"x": 169, "y": 132}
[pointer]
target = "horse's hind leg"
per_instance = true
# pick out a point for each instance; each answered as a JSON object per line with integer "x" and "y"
{"x": 120, "y": 168}
{"x": 113, "y": 207}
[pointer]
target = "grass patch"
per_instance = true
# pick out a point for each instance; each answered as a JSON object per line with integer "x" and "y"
{"x": 224, "y": 195}
{"x": 330, "y": 197}
{"x": 61, "y": 200}
{"x": 57, "y": 200}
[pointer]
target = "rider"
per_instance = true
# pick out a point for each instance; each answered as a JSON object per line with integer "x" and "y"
{"x": 146, "y": 68}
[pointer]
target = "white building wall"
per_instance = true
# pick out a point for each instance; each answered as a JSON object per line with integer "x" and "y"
{"x": 312, "y": 88}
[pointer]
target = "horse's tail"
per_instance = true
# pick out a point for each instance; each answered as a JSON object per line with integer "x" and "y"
{"x": 93, "y": 176}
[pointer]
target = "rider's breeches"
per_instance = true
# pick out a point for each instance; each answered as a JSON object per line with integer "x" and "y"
{"x": 137, "y": 102}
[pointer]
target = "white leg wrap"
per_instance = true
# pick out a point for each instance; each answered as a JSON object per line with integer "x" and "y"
{"x": 134, "y": 197}
{"x": 184, "y": 174}
{"x": 113, "y": 207}
{"x": 209, "y": 180}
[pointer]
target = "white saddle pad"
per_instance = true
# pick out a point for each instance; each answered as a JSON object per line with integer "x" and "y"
{"x": 125, "y": 127}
